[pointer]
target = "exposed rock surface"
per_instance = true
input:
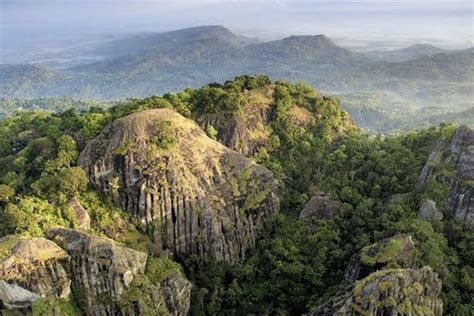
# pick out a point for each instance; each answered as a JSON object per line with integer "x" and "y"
{"x": 176, "y": 293}
{"x": 429, "y": 211}
{"x": 81, "y": 215}
{"x": 453, "y": 164}
{"x": 194, "y": 194}
{"x": 172, "y": 296}
{"x": 389, "y": 292}
{"x": 13, "y": 296}
{"x": 319, "y": 207}
{"x": 247, "y": 130}
{"x": 36, "y": 264}
{"x": 396, "y": 251}
{"x": 100, "y": 267}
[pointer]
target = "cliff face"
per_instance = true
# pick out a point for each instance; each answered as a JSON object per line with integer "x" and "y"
{"x": 193, "y": 194}
{"x": 453, "y": 164}
{"x": 104, "y": 273}
{"x": 35, "y": 264}
{"x": 247, "y": 130}
{"x": 389, "y": 292}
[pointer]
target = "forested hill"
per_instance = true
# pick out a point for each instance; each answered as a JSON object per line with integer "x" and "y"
{"x": 152, "y": 64}
{"x": 247, "y": 197}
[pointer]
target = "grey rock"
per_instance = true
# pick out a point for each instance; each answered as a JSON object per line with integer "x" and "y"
{"x": 429, "y": 211}
{"x": 459, "y": 154}
{"x": 80, "y": 213}
{"x": 175, "y": 292}
{"x": 388, "y": 292}
{"x": 198, "y": 197}
{"x": 36, "y": 264}
{"x": 101, "y": 267}
{"x": 13, "y": 296}
{"x": 319, "y": 207}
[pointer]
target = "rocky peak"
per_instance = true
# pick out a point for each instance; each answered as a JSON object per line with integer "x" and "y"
{"x": 194, "y": 195}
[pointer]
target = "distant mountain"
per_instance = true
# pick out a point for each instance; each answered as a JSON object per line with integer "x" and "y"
{"x": 167, "y": 40}
{"x": 24, "y": 79}
{"x": 156, "y": 63}
{"x": 453, "y": 65}
{"x": 300, "y": 49}
{"x": 414, "y": 51}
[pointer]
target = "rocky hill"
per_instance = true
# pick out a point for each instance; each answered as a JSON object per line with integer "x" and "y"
{"x": 194, "y": 195}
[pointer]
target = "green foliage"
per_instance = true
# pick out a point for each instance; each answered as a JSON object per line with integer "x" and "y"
{"x": 293, "y": 266}
{"x": 46, "y": 307}
{"x": 32, "y": 216}
{"x": 164, "y": 137}
{"x": 211, "y": 132}
{"x": 157, "y": 269}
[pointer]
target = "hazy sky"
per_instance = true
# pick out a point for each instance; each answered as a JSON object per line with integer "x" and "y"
{"x": 24, "y": 22}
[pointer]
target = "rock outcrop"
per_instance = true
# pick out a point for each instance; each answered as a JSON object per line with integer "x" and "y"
{"x": 453, "y": 164}
{"x": 82, "y": 217}
{"x": 319, "y": 207}
{"x": 172, "y": 296}
{"x": 35, "y": 264}
{"x": 429, "y": 211}
{"x": 247, "y": 130}
{"x": 397, "y": 251}
{"x": 101, "y": 268}
{"x": 389, "y": 292}
{"x": 195, "y": 195}
{"x": 13, "y": 296}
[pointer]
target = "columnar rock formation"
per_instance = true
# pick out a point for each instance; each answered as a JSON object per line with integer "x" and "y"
{"x": 195, "y": 195}
{"x": 453, "y": 164}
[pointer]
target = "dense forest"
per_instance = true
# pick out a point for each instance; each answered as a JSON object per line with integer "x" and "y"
{"x": 312, "y": 147}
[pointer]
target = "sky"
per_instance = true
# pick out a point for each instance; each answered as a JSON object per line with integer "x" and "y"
{"x": 38, "y": 22}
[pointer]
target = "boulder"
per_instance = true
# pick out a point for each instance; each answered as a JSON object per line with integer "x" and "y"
{"x": 13, "y": 296}
{"x": 429, "y": 211}
{"x": 389, "y": 292}
{"x": 319, "y": 207}
{"x": 396, "y": 251}
{"x": 102, "y": 268}
{"x": 37, "y": 265}
{"x": 82, "y": 217}
{"x": 193, "y": 194}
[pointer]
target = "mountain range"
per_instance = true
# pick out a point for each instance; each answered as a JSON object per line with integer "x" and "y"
{"x": 154, "y": 63}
